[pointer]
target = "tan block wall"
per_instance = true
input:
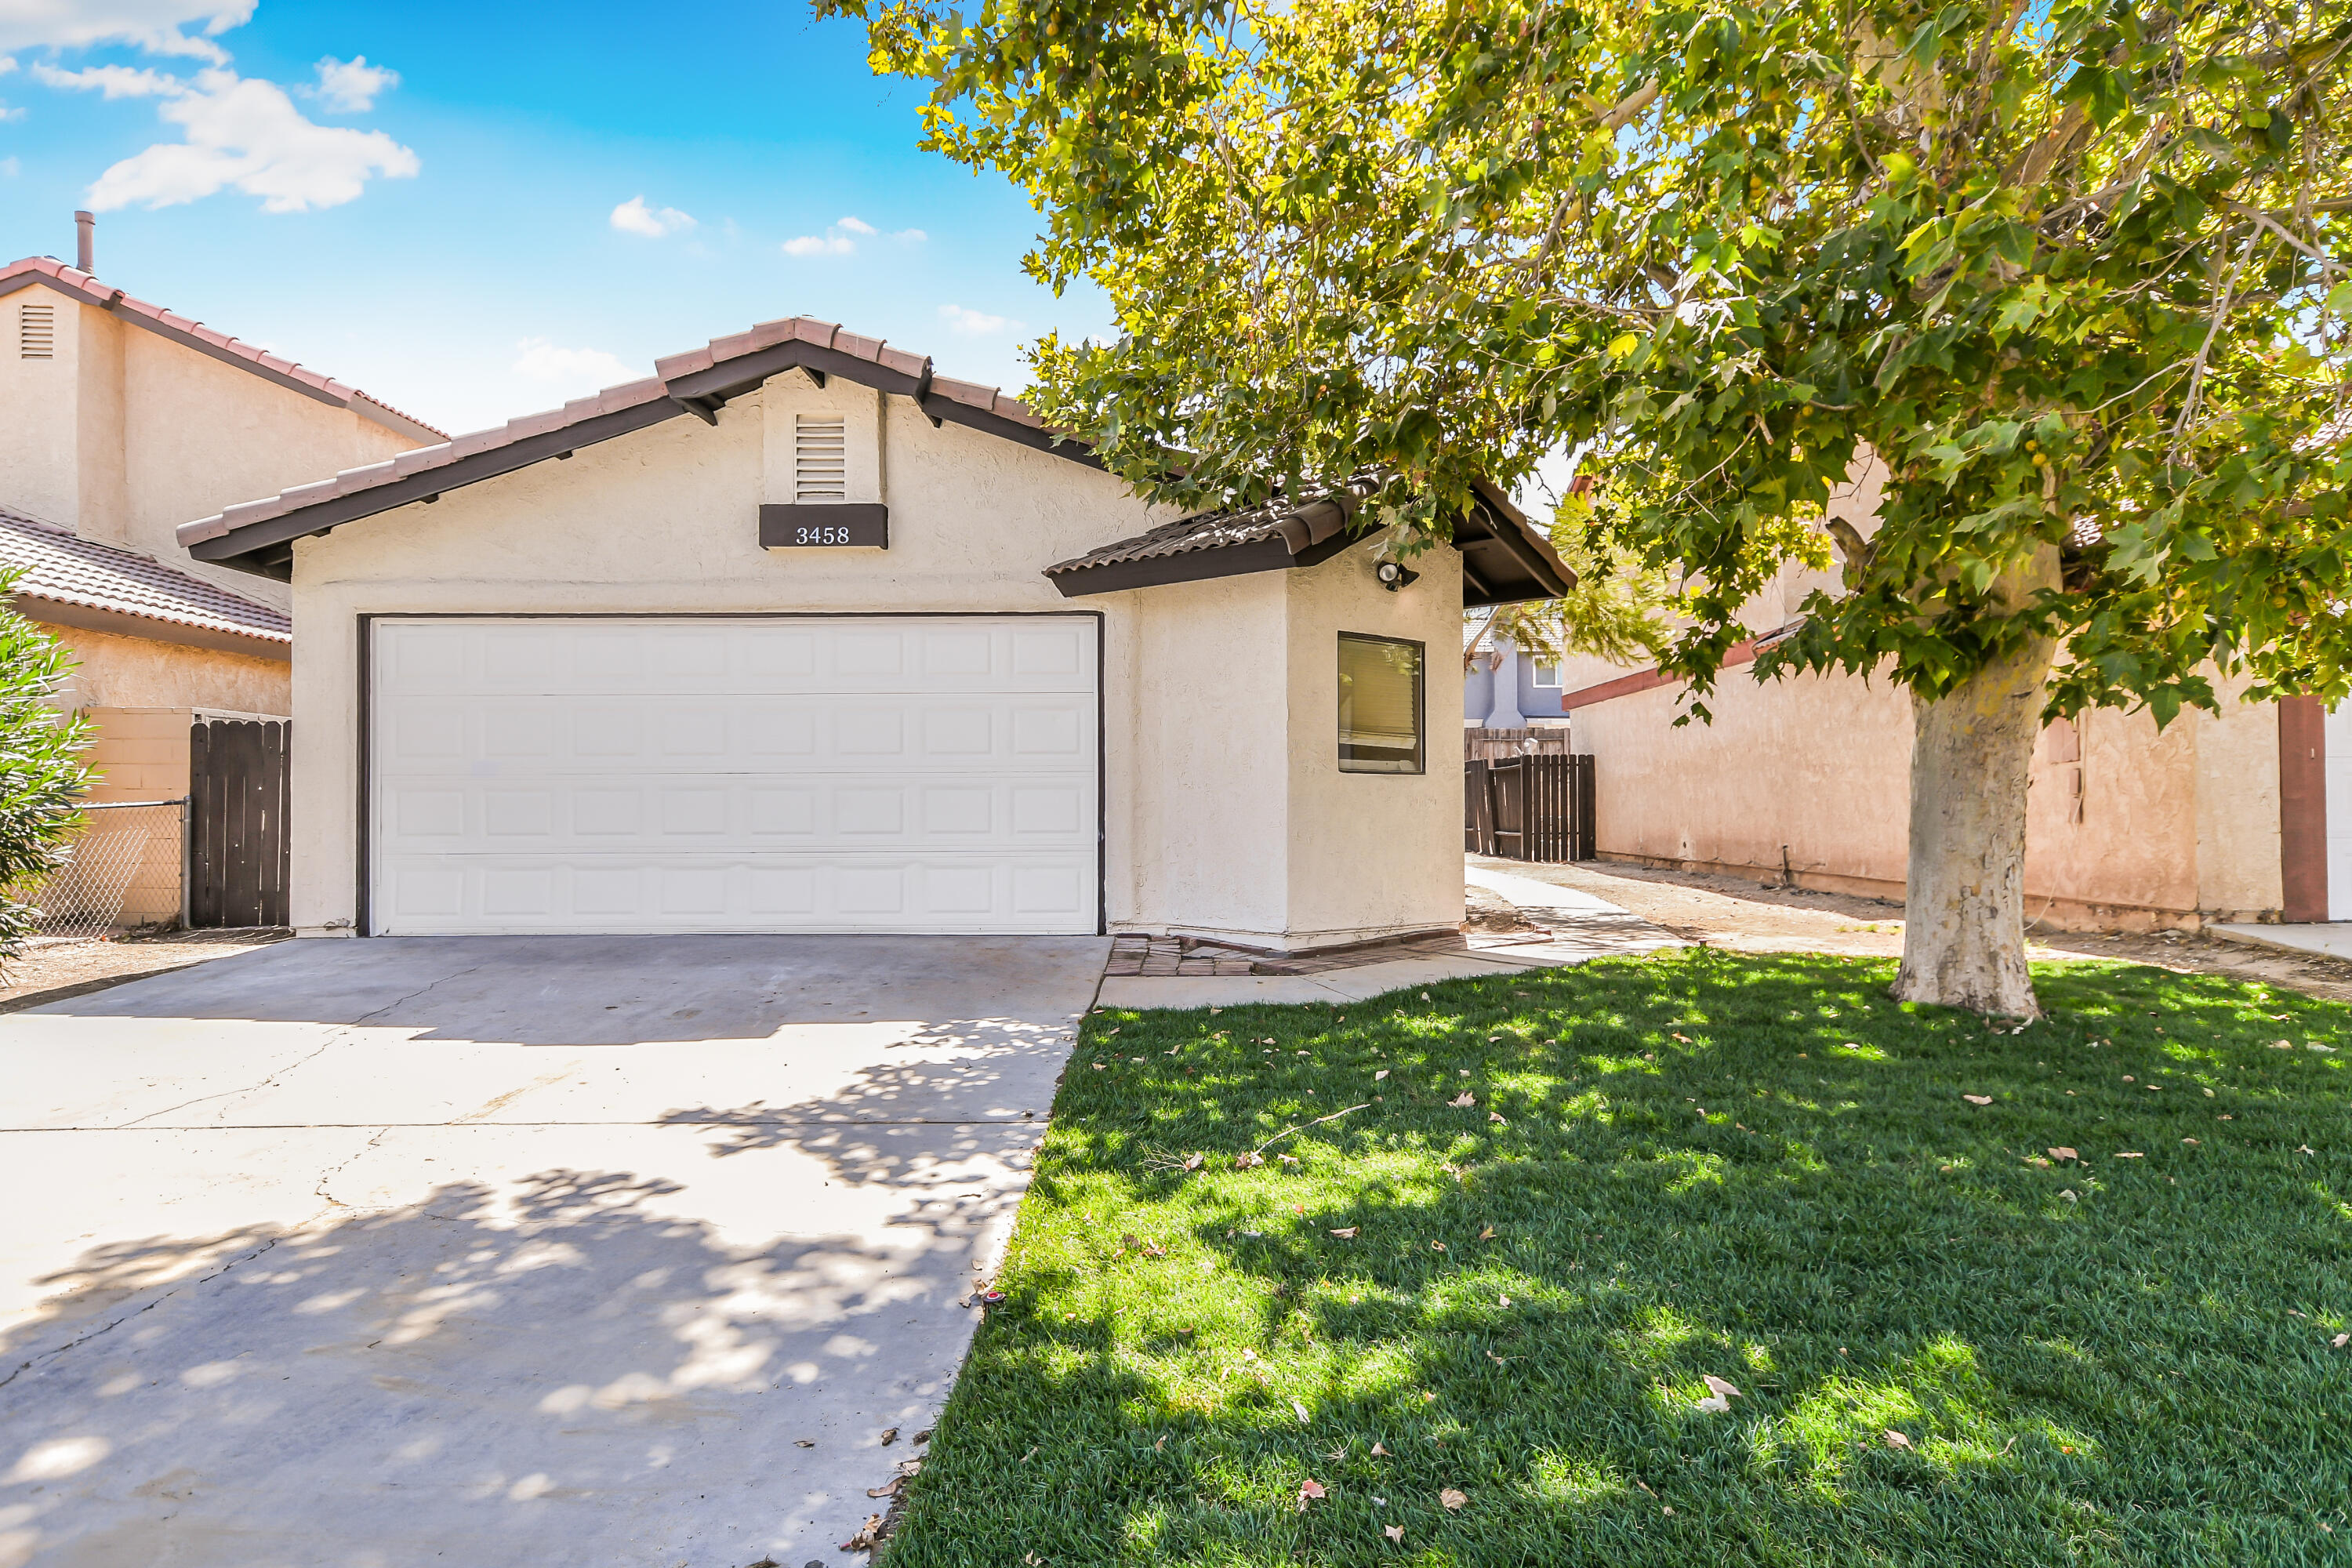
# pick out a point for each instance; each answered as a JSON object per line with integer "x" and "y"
{"x": 140, "y": 754}
{"x": 133, "y": 672}
{"x": 2173, "y": 827}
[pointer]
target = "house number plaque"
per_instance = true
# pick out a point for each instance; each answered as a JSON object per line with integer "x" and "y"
{"x": 826, "y": 525}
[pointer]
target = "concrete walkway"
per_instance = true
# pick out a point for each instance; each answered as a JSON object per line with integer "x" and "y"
{"x": 530, "y": 1251}
{"x": 2332, "y": 939}
{"x": 1582, "y": 927}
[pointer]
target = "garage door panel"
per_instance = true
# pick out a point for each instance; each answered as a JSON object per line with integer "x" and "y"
{"x": 531, "y": 735}
{"x": 728, "y": 657}
{"x": 913, "y": 774}
{"x": 652, "y": 814}
{"x": 884, "y": 891}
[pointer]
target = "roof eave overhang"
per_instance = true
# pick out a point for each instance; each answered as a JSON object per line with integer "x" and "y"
{"x": 262, "y": 547}
{"x": 39, "y": 607}
{"x": 1505, "y": 559}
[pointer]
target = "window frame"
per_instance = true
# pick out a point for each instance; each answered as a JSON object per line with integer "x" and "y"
{"x": 1420, "y": 707}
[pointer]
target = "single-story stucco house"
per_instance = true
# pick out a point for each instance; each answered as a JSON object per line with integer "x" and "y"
{"x": 797, "y": 635}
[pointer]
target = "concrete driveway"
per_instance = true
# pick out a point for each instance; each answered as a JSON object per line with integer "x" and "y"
{"x": 474, "y": 1252}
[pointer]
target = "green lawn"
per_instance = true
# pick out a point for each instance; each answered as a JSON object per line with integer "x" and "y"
{"x": 1757, "y": 1168}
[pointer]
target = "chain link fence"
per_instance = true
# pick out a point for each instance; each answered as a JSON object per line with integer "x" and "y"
{"x": 122, "y": 868}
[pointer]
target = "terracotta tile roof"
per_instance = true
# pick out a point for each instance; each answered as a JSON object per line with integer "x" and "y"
{"x": 79, "y": 284}
{"x": 672, "y": 379}
{"x": 1297, "y": 524}
{"x": 60, "y": 566}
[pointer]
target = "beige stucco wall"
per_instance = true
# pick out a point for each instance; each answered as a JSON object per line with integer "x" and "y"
{"x": 2174, "y": 827}
{"x": 1373, "y": 854}
{"x": 133, "y": 672}
{"x": 125, "y": 434}
{"x": 1202, "y": 683}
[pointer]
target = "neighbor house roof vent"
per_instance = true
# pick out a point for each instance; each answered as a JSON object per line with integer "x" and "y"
{"x": 820, "y": 457}
{"x": 36, "y": 331}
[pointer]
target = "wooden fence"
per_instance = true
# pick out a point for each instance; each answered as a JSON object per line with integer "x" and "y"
{"x": 1530, "y": 808}
{"x": 236, "y": 822}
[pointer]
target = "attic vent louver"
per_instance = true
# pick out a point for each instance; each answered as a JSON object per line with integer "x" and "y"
{"x": 820, "y": 457}
{"x": 36, "y": 331}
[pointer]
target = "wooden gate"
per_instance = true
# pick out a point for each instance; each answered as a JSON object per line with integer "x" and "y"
{"x": 1530, "y": 808}
{"x": 236, "y": 821}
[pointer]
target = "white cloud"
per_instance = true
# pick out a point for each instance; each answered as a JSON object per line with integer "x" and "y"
{"x": 812, "y": 245}
{"x": 8, "y": 114}
{"x": 350, "y": 87}
{"x": 156, "y": 25}
{"x": 975, "y": 323}
{"x": 10, "y": 168}
{"x": 633, "y": 216}
{"x": 911, "y": 236}
{"x": 110, "y": 81}
{"x": 575, "y": 371}
{"x": 857, "y": 225}
{"x": 247, "y": 133}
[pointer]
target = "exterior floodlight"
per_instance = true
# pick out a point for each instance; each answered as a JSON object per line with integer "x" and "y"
{"x": 1393, "y": 576}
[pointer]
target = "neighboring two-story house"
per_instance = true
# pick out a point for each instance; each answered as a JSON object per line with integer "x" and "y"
{"x": 124, "y": 420}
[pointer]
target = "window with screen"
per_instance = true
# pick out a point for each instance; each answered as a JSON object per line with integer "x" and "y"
{"x": 1380, "y": 705}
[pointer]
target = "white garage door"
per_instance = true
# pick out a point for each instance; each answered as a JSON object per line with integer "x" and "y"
{"x": 772, "y": 774}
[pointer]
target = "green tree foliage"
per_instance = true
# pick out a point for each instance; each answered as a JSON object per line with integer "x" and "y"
{"x": 2072, "y": 272}
{"x": 40, "y": 770}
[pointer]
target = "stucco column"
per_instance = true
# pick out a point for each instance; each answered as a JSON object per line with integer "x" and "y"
{"x": 1504, "y": 713}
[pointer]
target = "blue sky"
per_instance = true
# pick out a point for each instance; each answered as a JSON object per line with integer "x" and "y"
{"x": 448, "y": 241}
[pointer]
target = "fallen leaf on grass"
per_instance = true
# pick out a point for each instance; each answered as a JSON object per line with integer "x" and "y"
{"x": 1379, "y": 1452}
{"x": 1191, "y": 1162}
{"x": 1465, "y": 1097}
{"x": 1347, "y": 1232}
{"x": 1301, "y": 1410}
{"x": 1684, "y": 1038}
{"x": 2340, "y": 1340}
{"x": 1309, "y": 1490}
{"x": 2189, "y": 1139}
{"x": 1488, "y": 1234}
{"x": 1896, "y": 1440}
{"x": 1496, "y": 1116}
{"x": 1978, "y": 1099}
{"x": 864, "y": 1539}
{"x": 1244, "y": 1162}
{"x": 1379, "y": 1075}
{"x": 2129, "y": 1154}
{"x": 1394, "y": 1533}
{"x": 1437, "y": 1247}
{"x": 1454, "y": 1501}
{"x": 2060, "y": 1151}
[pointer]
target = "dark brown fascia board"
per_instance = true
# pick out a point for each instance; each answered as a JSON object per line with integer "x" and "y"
{"x": 710, "y": 388}
{"x": 122, "y": 624}
{"x": 398, "y": 423}
{"x": 732, "y": 378}
{"x": 1185, "y": 566}
{"x": 232, "y": 549}
{"x": 1199, "y": 566}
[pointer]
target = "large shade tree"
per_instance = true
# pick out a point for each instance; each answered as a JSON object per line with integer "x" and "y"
{"x": 2074, "y": 272}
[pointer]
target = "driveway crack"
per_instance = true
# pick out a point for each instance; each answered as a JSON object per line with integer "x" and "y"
{"x": 332, "y": 1171}
{"x": 109, "y": 1327}
{"x": 277, "y": 1075}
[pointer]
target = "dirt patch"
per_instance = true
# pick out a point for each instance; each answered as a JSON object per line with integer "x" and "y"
{"x": 1750, "y": 917}
{"x": 53, "y": 973}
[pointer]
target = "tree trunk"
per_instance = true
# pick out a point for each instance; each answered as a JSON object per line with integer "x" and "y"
{"x": 1964, "y": 904}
